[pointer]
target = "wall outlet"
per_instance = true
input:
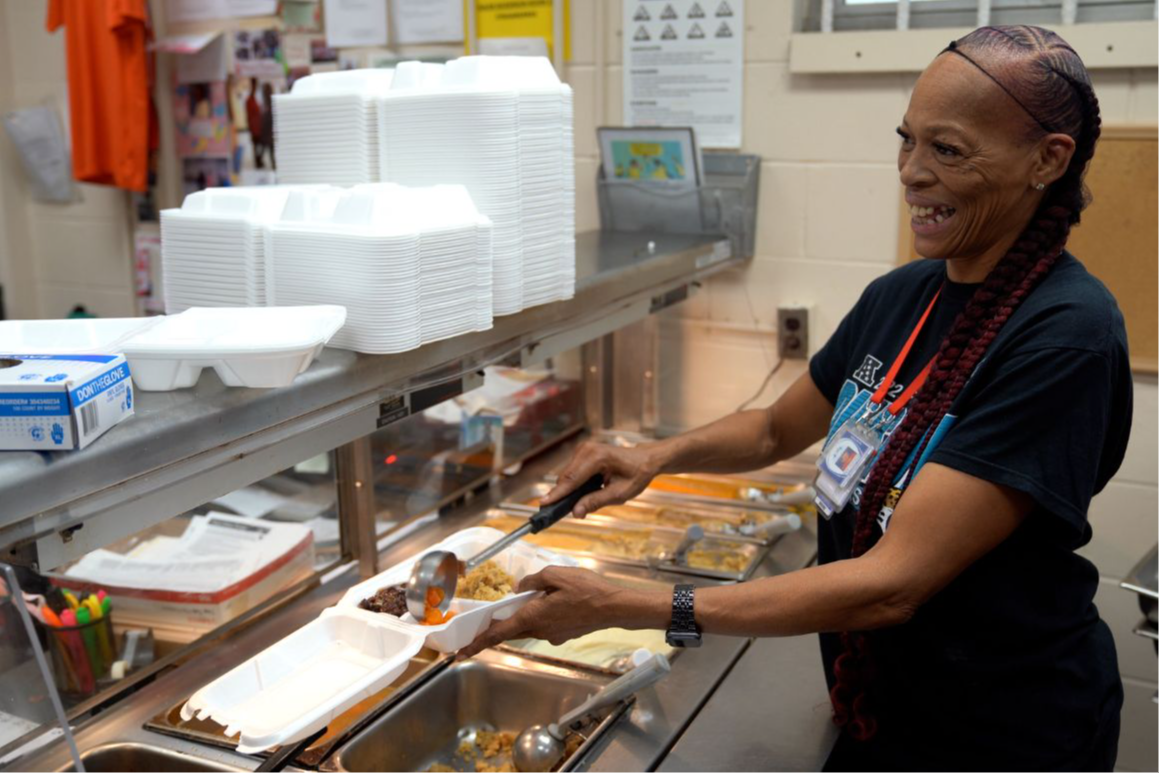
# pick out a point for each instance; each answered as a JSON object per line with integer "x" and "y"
{"x": 793, "y": 332}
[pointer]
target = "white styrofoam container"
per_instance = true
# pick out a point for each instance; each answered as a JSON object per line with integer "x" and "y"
{"x": 70, "y": 336}
{"x": 471, "y": 617}
{"x": 301, "y": 683}
{"x": 250, "y": 347}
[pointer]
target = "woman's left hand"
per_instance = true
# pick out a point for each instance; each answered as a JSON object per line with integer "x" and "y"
{"x": 575, "y": 602}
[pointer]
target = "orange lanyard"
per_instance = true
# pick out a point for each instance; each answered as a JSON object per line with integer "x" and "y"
{"x": 883, "y": 390}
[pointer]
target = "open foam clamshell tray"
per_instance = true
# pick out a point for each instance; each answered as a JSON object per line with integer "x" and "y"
{"x": 301, "y": 683}
{"x": 471, "y": 617}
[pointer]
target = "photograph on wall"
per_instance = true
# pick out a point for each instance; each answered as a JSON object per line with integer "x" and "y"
{"x": 201, "y": 117}
{"x": 301, "y": 15}
{"x": 258, "y": 53}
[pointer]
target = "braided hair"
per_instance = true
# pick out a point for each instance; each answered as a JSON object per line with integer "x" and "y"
{"x": 1047, "y": 78}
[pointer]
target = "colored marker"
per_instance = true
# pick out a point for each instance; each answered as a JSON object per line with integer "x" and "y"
{"x": 85, "y": 679}
{"x": 84, "y": 617}
{"x": 73, "y": 604}
{"x": 50, "y": 617}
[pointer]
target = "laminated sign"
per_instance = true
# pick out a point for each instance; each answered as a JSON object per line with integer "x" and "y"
{"x": 683, "y": 66}
{"x": 519, "y": 27}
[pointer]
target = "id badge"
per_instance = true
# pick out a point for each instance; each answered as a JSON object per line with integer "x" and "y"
{"x": 843, "y": 463}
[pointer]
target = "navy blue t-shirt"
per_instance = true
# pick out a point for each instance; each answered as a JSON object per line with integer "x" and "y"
{"x": 1008, "y": 667}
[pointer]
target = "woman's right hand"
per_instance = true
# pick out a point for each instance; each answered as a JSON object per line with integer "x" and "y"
{"x": 626, "y": 472}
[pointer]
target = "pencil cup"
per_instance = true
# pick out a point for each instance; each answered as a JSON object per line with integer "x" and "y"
{"x": 82, "y": 655}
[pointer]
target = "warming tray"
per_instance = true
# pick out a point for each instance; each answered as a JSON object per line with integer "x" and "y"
{"x": 717, "y": 556}
{"x": 1144, "y": 581}
{"x": 490, "y": 692}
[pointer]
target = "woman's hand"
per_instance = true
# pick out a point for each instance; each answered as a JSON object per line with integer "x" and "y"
{"x": 626, "y": 472}
{"x": 575, "y": 602}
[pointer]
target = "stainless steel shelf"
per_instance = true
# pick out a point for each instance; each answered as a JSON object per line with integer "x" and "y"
{"x": 187, "y": 447}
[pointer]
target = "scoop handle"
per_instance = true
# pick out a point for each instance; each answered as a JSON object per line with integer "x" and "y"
{"x": 804, "y": 496}
{"x": 781, "y": 524}
{"x": 550, "y": 514}
{"x": 644, "y": 675}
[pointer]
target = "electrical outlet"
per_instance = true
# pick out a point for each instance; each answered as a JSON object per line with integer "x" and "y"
{"x": 793, "y": 332}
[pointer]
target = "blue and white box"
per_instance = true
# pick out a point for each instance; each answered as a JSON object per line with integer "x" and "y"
{"x": 60, "y": 402}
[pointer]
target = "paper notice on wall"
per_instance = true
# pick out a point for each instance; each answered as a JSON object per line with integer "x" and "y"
{"x": 351, "y": 23}
{"x": 684, "y": 66}
{"x": 520, "y": 27}
{"x": 427, "y": 21}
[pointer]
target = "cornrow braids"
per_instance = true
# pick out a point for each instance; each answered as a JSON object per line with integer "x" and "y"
{"x": 1047, "y": 78}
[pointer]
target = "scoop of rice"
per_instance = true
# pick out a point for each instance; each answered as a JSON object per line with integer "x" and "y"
{"x": 487, "y": 582}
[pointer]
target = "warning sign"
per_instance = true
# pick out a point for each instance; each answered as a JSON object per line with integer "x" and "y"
{"x": 642, "y": 14}
{"x": 685, "y": 66}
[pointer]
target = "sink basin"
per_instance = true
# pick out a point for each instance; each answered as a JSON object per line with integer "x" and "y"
{"x": 134, "y": 756}
{"x": 495, "y": 693}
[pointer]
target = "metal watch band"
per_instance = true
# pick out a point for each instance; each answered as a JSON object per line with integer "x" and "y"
{"x": 683, "y": 631}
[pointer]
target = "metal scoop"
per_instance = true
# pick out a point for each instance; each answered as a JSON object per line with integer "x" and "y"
{"x": 781, "y": 524}
{"x": 679, "y": 555}
{"x": 439, "y": 570}
{"x": 539, "y": 748}
{"x": 802, "y": 496}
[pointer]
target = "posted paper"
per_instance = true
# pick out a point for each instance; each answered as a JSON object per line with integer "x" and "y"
{"x": 684, "y": 66}
{"x": 351, "y": 23}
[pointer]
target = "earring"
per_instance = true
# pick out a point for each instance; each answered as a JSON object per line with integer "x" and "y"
{"x": 1039, "y": 186}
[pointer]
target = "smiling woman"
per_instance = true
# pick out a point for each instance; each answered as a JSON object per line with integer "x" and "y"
{"x": 973, "y": 403}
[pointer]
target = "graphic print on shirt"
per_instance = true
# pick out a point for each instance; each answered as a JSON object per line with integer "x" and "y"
{"x": 855, "y": 394}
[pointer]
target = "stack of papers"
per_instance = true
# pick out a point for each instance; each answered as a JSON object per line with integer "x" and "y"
{"x": 326, "y": 128}
{"x": 409, "y": 265}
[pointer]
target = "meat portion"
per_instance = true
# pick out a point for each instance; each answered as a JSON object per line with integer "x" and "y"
{"x": 389, "y": 601}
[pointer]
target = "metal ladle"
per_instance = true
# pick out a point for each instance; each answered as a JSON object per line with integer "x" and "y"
{"x": 440, "y": 569}
{"x": 539, "y": 748}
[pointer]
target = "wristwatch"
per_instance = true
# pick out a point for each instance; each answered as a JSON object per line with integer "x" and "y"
{"x": 683, "y": 630}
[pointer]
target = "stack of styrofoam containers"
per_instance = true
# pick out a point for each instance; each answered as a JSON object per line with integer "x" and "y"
{"x": 326, "y": 128}
{"x": 459, "y": 132}
{"x": 410, "y": 266}
{"x": 212, "y": 249}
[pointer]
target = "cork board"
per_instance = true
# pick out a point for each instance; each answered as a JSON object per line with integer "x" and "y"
{"x": 1118, "y": 239}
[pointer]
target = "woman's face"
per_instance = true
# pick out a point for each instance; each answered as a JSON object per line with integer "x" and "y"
{"x": 967, "y": 161}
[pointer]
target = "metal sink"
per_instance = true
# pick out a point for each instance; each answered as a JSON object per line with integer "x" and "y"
{"x": 135, "y": 756}
{"x": 491, "y": 692}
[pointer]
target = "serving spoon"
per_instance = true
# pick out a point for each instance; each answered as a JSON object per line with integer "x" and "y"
{"x": 435, "y": 575}
{"x": 539, "y": 747}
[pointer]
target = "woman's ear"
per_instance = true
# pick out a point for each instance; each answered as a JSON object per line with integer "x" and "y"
{"x": 1053, "y": 157}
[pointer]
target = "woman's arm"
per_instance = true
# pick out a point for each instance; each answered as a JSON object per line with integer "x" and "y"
{"x": 740, "y": 441}
{"x": 946, "y": 521}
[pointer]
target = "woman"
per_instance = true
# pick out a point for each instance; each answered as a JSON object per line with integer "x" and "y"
{"x": 956, "y": 622}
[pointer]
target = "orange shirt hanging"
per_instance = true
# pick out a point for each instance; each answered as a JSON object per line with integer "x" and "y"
{"x": 108, "y": 85}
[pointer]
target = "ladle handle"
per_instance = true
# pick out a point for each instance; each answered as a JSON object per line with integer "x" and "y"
{"x": 781, "y": 524}
{"x": 803, "y": 496}
{"x": 644, "y": 675}
{"x": 550, "y": 514}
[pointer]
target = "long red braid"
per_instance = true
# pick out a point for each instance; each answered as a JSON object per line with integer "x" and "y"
{"x": 1047, "y": 78}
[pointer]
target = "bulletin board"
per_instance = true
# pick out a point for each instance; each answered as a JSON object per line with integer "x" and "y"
{"x": 1117, "y": 239}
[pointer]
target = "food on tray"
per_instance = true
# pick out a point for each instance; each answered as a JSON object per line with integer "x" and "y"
{"x": 609, "y": 648}
{"x": 432, "y": 615}
{"x": 490, "y": 752}
{"x": 723, "y": 521}
{"x": 717, "y": 560}
{"x": 487, "y": 582}
{"x": 389, "y": 601}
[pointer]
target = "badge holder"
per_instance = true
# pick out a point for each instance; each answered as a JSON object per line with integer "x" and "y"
{"x": 844, "y": 461}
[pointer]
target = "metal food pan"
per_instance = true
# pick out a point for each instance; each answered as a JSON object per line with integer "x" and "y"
{"x": 716, "y": 556}
{"x": 668, "y": 513}
{"x": 1144, "y": 581}
{"x": 492, "y": 692}
{"x": 205, "y": 731}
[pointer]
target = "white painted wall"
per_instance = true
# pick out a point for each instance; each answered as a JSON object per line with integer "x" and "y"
{"x": 827, "y": 225}
{"x": 53, "y": 256}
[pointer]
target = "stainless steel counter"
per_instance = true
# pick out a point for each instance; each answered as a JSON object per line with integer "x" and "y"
{"x": 186, "y": 447}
